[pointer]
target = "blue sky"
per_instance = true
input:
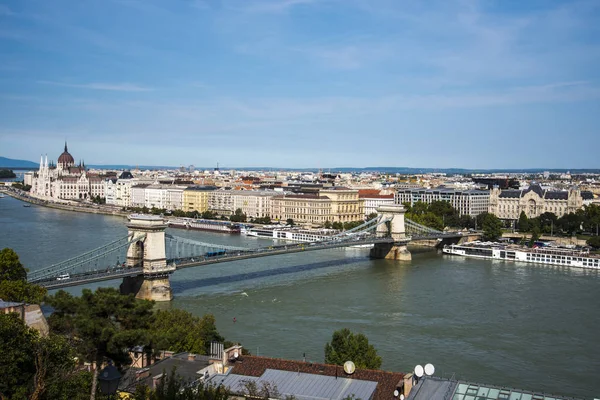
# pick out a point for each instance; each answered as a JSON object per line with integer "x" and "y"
{"x": 303, "y": 83}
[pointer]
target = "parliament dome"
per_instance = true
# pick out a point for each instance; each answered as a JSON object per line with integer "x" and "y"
{"x": 66, "y": 159}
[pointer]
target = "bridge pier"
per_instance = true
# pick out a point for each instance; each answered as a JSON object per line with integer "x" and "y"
{"x": 148, "y": 252}
{"x": 396, "y": 230}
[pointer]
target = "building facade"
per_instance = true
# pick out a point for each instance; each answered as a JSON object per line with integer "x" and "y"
{"x": 534, "y": 201}
{"x": 346, "y": 205}
{"x": 117, "y": 191}
{"x": 195, "y": 198}
{"x": 302, "y": 208}
{"x": 373, "y": 199}
{"x": 221, "y": 202}
{"x": 466, "y": 202}
{"x": 254, "y": 203}
{"x": 65, "y": 180}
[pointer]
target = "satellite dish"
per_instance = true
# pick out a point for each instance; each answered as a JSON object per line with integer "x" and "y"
{"x": 401, "y": 397}
{"x": 429, "y": 369}
{"x": 236, "y": 354}
{"x": 419, "y": 371}
{"x": 396, "y": 393}
{"x": 349, "y": 367}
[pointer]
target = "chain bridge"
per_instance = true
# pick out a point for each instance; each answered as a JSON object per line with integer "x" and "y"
{"x": 146, "y": 257}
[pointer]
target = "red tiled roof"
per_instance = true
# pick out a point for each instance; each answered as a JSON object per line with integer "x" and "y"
{"x": 303, "y": 196}
{"x": 373, "y": 194}
{"x": 387, "y": 382}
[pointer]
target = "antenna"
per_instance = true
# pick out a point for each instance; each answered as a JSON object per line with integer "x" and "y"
{"x": 349, "y": 367}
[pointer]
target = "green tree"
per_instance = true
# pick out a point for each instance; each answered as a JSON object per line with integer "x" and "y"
{"x": 548, "y": 222}
{"x": 238, "y": 216}
{"x": 17, "y": 366}
{"x": 11, "y": 268}
{"x": 466, "y": 221}
{"x": 570, "y": 223}
{"x": 34, "y": 367}
{"x": 208, "y": 215}
{"x": 523, "y": 224}
{"x": 327, "y": 225}
{"x": 442, "y": 208}
{"x": 346, "y": 346}
{"x": 7, "y": 173}
{"x": 13, "y": 280}
{"x": 419, "y": 208}
{"x": 102, "y": 324}
{"x": 290, "y": 222}
{"x": 22, "y": 291}
{"x": 491, "y": 226}
{"x": 594, "y": 242}
{"x": 591, "y": 218}
{"x": 179, "y": 331}
{"x": 535, "y": 236}
{"x": 371, "y": 216}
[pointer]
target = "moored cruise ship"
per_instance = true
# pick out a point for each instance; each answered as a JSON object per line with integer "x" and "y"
{"x": 204, "y": 225}
{"x": 292, "y": 234}
{"x": 541, "y": 255}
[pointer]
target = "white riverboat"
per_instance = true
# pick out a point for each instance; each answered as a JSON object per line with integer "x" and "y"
{"x": 542, "y": 255}
{"x": 278, "y": 232}
{"x": 287, "y": 233}
{"x": 204, "y": 225}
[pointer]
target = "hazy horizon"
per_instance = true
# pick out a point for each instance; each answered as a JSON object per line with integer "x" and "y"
{"x": 475, "y": 84}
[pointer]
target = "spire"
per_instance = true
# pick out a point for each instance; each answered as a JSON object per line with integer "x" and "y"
{"x": 41, "y": 161}
{"x": 66, "y": 151}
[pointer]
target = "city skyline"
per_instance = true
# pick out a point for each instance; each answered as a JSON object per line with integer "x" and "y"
{"x": 302, "y": 83}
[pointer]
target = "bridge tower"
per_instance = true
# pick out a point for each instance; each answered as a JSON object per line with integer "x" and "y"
{"x": 396, "y": 230}
{"x": 149, "y": 253}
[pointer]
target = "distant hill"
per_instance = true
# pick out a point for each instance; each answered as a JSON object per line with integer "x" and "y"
{"x": 389, "y": 170}
{"x": 11, "y": 163}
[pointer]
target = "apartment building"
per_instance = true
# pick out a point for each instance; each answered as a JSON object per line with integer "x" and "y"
{"x": 467, "y": 202}
{"x": 195, "y": 198}
{"x": 254, "y": 203}
{"x": 221, "y": 202}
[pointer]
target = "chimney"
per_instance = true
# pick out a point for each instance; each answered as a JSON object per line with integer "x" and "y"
{"x": 191, "y": 357}
{"x": 156, "y": 380}
{"x": 408, "y": 384}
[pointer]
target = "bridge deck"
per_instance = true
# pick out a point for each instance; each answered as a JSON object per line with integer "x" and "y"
{"x": 180, "y": 263}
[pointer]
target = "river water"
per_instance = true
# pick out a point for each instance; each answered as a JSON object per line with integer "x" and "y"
{"x": 506, "y": 324}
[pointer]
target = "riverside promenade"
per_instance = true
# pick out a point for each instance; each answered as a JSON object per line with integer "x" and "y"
{"x": 73, "y": 206}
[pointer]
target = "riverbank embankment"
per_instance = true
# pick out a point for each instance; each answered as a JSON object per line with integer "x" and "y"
{"x": 86, "y": 208}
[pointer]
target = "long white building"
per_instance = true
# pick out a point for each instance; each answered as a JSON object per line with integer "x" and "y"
{"x": 467, "y": 202}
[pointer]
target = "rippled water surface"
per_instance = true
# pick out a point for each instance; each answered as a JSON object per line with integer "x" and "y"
{"x": 518, "y": 325}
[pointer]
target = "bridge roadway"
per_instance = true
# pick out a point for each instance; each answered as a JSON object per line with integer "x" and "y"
{"x": 201, "y": 260}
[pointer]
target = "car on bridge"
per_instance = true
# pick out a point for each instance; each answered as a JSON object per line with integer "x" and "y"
{"x": 63, "y": 277}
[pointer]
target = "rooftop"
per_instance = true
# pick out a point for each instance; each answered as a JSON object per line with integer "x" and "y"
{"x": 187, "y": 366}
{"x": 306, "y": 377}
{"x": 432, "y": 388}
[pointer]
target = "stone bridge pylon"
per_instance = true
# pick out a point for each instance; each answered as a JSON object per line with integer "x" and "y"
{"x": 395, "y": 228}
{"x": 149, "y": 253}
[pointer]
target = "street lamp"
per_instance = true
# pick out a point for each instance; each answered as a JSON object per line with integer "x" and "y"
{"x": 109, "y": 379}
